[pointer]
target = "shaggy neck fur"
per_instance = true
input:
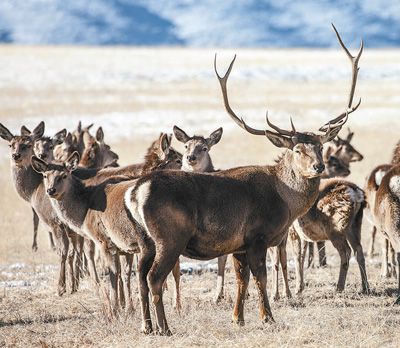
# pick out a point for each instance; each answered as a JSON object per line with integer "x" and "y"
{"x": 299, "y": 192}
{"x": 26, "y": 180}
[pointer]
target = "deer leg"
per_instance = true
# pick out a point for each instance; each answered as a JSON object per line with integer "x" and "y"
{"x": 35, "y": 230}
{"x": 283, "y": 261}
{"x": 71, "y": 256}
{"x": 176, "y": 272}
{"x": 372, "y": 242}
{"x": 392, "y": 254}
{"x": 115, "y": 270}
{"x": 256, "y": 256}
{"x": 90, "y": 251}
{"x": 296, "y": 247}
{"x": 62, "y": 246}
{"x": 242, "y": 272}
{"x": 51, "y": 241}
{"x": 310, "y": 260}
{"x": 121, "y": 284}
{"x": 146, "y": 258}
{"x": 344, "y": 250}
{"x": 163, "y": 264}
{"x": 398, "y": 279}
{"x": 275, "y": 251}
{"x": 385, "y": 261}
{"x": 321, "y": 253}
{"x": 355, "y": 244}
{"x": 127, "y": 267}
{"x": 220, "y": 278}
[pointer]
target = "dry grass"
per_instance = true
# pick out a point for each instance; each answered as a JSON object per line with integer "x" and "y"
{"x": 30, "y": 312}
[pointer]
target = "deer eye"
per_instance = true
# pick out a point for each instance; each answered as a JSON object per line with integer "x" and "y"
{"x": 178, "y": 161}
{"x": 297, "y": 151}
{"x": 45, "y": 176}
{"x": 186, "y": 146}
{"x": 64, "y": 176}
{"x": 205, "y": 149}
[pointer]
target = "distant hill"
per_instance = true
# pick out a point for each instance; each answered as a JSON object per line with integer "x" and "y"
{"x": 226, "y": 23}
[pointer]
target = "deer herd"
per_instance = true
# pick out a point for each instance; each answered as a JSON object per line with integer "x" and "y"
{"x": 176, "y": 204}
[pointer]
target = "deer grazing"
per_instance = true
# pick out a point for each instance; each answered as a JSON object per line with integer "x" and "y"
{"x": 97, "y": 209}
{"x": 241, "y": 211}
{"x": 196, "y": 158}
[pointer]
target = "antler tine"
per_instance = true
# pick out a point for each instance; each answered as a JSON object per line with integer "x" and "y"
{"x": 341, "y": 117}
{"x": 338, "y": 121}
{"x": 223, "y": 81}
{"x": 291, "y": 122}
{"x": 279, "y": 130}
{"x": 354, "y": 64}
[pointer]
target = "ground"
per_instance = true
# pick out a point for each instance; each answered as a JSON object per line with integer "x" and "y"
{"x": 135, "y": 94}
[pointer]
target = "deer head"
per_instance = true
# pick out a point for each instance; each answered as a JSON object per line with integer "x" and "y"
{"x": 196, "y": 157}
{"x": 334, "y": 166}
{"x": 305, "y": 147}
{"x": 97, "y": 153}
{"x": 21, "y": 146}
{"x": 44, "y": 146}
{"x": 345, "y": 151}
{"x": 56, "y": 177}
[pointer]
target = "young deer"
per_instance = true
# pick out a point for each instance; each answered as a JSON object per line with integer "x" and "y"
{"x": 240, "y": 211}
{"x": 97, "y": 210}
{"x": 342, "y": 150}
{"x": 29, "y": 187}
{"x": 196, "y": 158}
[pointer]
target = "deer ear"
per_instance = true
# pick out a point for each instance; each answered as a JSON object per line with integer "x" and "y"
{"x": 180, "y": 135}
{"x": 5, "y": 133}
{"x": 214, "y": 137}
{"x": 163, "y": 146}
{"x": 86, "y": 139}
{"x": 350, "y": 135}
{"x": 39, "y": 165}
{"x": 72, "y": 162}
{"x": 100, "y": 135}
{"x": 279, "y": 140}
{"x": 38, "y": 131}
{"x": 327, "y": 153}
{"x": 25, "y": 131}
{"x": 59, "y": 137}
{"x": 87, "y": 128}
{"x": 68, "y": 139}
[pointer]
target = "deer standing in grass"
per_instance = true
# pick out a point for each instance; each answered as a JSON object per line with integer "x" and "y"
{"x": 339, "y": 150}
{"x": 97, "y": 209}
{"x": 336, "y": 215}
{"x": 196, "y": 159}
{"x": 241, "y": 211}
{"x": 386, "y": 213}
{"x": 29, "y": 187}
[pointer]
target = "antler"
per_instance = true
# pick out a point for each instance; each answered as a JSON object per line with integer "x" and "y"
{"x": 340, "y": 120}
{"x": 222, "y": 81}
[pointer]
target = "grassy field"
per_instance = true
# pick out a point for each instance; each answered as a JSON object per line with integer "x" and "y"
{"x": 136, "y": 93}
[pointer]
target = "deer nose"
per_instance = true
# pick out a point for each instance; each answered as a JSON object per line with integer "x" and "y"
{"x": 16, "y": 156}
{"x": 319, "y": 168}
{"x": 51, "y": 191}
{"x": 191, "y": 158}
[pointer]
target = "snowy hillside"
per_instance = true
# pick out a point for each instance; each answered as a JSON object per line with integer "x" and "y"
{"x": 246, "y": 23}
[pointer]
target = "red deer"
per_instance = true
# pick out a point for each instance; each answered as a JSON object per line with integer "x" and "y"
{"x": 97, "y": 209}
{"x": 240, "y": 211}
{"x": 29, "y": 186}
{"x": 196, "y": 158}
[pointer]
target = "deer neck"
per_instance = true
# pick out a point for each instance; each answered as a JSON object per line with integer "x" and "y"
{"x": 26, "y": 180}
{"x": 298, "y": 191}
{"x": 205, "y": 166}
{"x": 72, "y": 207}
